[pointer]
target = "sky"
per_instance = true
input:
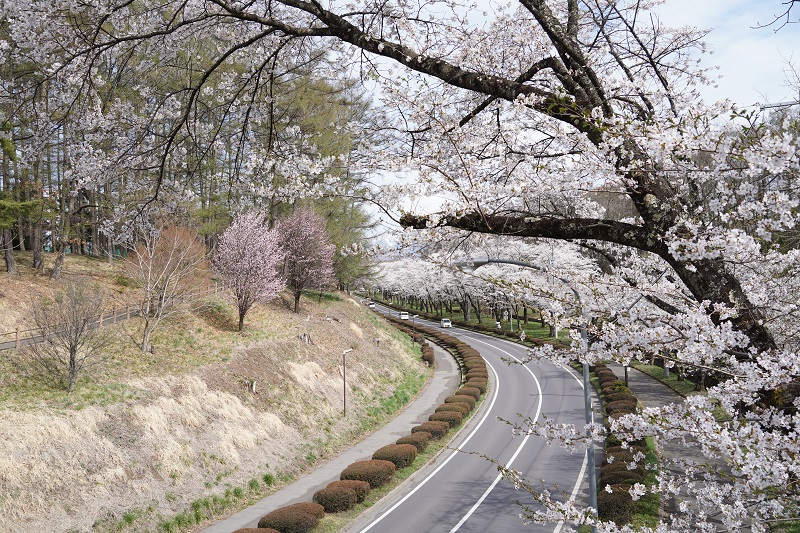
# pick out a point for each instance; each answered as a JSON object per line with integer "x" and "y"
{"x": 752, "y": 60}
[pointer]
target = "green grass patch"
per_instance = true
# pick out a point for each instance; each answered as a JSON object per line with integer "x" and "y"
{"x": 673, "y": 380}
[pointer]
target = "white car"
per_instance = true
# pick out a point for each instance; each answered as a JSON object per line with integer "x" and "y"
{"x": 403, "y": 315}
{"x": 446, "y": 323}
{"x": 371, "y": 305}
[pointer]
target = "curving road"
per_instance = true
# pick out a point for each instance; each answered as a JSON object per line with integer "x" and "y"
{"x": 463, "y": 492}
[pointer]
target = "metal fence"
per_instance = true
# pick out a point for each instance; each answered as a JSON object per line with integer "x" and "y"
{"x": 22, "y": 337}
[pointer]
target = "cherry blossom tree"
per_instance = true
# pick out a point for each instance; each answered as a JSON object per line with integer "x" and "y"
{"x": 517, "y": 120}
{"x": 249, "y": 258}
{"x": 308, "y": 259}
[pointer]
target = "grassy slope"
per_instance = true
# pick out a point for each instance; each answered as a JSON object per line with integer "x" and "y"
{"x": 146, "y": 436}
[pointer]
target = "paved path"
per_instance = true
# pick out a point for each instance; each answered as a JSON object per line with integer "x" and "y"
{"x": 445, "y": 381}
{"x": 652, "y": 393}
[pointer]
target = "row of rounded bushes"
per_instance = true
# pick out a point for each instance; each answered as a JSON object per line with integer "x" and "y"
{"x": 360, "y": 477}
{"x": 619, "y": 469}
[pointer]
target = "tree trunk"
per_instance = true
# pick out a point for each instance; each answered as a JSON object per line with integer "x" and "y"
{"x": 8, "y": 251}
{"x": 241, "y": 321}
{"x": 37, "y": 246}
{"x": 297, "y": 295}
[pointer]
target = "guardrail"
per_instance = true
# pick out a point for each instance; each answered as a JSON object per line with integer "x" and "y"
{"x": 22, "y": 337}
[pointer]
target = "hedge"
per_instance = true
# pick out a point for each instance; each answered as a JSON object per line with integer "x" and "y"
{"x": 361, "y": 488}
{"x": 451, "y": 417}
{"x": 477, "y": 373}
{"x": 469, "y": 391}
{"x": 615, "y": 506}
{"x": 462, "y": 398}
{"x": 290, "y": 519}
{"x": 620, "y": 454}
{"x": 374, "y": 472}
{"x": 402, "y": 455}
{"x": 419, "y": 440}
{"x": 336, "y": 499}
{"x": 621, "y": 405}
{"x": 620, "y": 477}
{"x": 618, "y": 466}
{"x": 256, "y": 530}
{"x": 477, "y": 383}
{"x": 618, "y": 396}
{"x": 437, "y": 430}
{"x": 462, "y": 408}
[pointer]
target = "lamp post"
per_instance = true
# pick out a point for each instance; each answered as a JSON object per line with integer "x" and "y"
{"x": 587, "y": 400}
{"x": 344, "y": 381}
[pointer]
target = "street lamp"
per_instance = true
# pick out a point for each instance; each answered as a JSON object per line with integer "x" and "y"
{"x": 471, "y": 266}
{"x": 344, "y": 380}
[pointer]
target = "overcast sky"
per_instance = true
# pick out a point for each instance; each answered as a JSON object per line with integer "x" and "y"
{"x": 752, "y": 60}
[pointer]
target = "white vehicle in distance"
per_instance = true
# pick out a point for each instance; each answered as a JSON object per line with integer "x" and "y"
{"x": 371, "y": 305}
{"x": 445, "y": 323}
{"x": 403, "y": 315}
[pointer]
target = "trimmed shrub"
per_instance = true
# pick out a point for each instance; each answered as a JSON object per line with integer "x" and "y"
{"x": 477, "y": 373}
{"x": 256, "y": 530}
{"x": 615, "y": 386}
{"x": 429, "y": 358}
{"x": 419, "y": 440}
{"x": 620, "y": 466}
{"x": 620, "y": 478}
{"x": 451, "y": 417}
{"x": 615, "y": 506}
{"x": 606, "y": 379}
{"x": 308, "y": 507}
{"x": 290, "y": 519}
{"x": 474, "y": 363}
{"x": 620, "y": 454}
{"x": 461, "y": 398}
{"x": 336, "y": 499}
{"x": 478, "y": 383}
{"x": 462, "y": 408}
{"x": 621, "y": 405}
{"x": 402, "y": 455}
{"x": 619, "y": 413}
{"x": 620, "y": 396}
{"x": 375, "y": 472}
{"x": 361, "y": 488}
{"x": 469, "y": 391}
{"x": 437, "y": 430}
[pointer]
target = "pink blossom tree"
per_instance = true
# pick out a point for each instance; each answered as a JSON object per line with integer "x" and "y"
{"x": 248, "y": 258}
{"x": 309, "y": 253}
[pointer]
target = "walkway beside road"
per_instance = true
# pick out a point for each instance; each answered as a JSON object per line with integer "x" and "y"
{"x": 445, "y": 381}
{"x": 652, "y": 393}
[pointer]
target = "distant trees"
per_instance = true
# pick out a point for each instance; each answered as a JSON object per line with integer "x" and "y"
{"x": 72, "y": 341}
{"x": 164, "y": 263}
{"x": 308, "y": 260}
{"x": 249, "y": 260}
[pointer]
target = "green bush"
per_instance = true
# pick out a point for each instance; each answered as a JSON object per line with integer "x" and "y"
{"x": 606, "y": 379}
{"x": 477, "y": 373}
{"x": 478, "y": 383}
{"x": 335, "y": 499}
{"x": 622, "y": 466}
{"x": 620, "y": 454}
{"x": 469, "y": 391}
{"x": 462, "y": 398}
{"x": 437, "y": 430}
{"x": 419, "y": 440}
{"x": 290, "y": 519}
{"x": 621, "y": 405}
{"x": 619, "y": 396}
{"x": 474, "y": 363}
{"x": 402, "y": 455}
{"x": 462, "y": 408}
{"x": 615, "y": 506}
{"x": 615, "y": 386}
{"x": 451, "y": 417}
{"x": 620, "y": 477}
{"x": 361, "y": 488}
{"x": 375, "y": 472}
{"x": 256, "y": 530}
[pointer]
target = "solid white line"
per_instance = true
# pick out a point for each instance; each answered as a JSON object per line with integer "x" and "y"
{"x": 464, "y": 442}
{"x": 585, "y": 463}
{"x": 516, "y": 453}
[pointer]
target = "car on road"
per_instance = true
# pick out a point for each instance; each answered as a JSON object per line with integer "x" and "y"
{"x": 371, "y": 305}
{"x": 446, "y": 323}
{"x": 403, "y": 315}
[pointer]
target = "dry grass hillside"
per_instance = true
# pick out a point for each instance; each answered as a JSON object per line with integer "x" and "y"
{"x": 145, "y": 437}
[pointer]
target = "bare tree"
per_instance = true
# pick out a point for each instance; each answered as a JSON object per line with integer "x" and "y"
{"x": 68, "y": 323}
{"x": 164, "y": 263}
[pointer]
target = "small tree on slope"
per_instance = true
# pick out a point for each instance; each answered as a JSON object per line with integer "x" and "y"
{"x": 309, "y": 253}
{"x": 249, "y": 259}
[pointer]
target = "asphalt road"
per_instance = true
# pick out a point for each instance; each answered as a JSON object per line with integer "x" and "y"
{"x": 465, "y": 492}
